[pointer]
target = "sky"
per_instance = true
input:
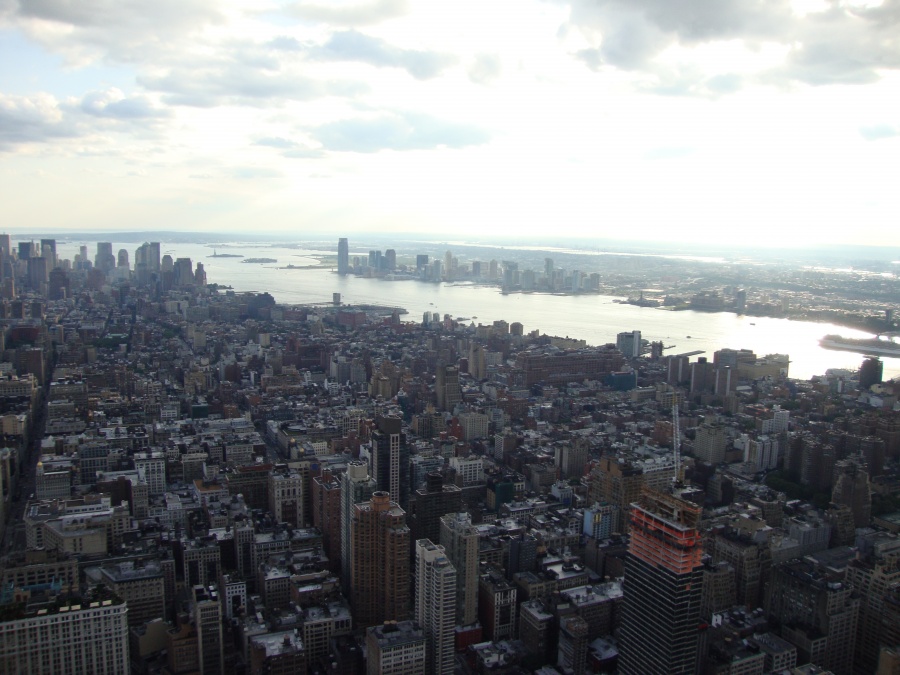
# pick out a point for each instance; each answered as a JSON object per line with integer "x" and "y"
{"x": 776, "y": 122}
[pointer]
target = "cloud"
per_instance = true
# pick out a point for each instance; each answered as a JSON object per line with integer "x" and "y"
{"x": 397, "y": 131}
{"x": 32, "y": 119}
{"x": 841, "y": 44}
{"x": 878, "y": 132}
{"x": 354, "y": 15}
{"x": 226, "y": 81}
{"x": 42, "y": 118}
{"x": 485, "y": 69}
{"x": 124, "y": 31}
{"x": 352, "y": 45}
{"x": 289, "y": 148}
{"x": 113, "y": 104}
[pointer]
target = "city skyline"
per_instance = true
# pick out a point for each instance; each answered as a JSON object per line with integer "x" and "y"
{"x": 599, "y": 120}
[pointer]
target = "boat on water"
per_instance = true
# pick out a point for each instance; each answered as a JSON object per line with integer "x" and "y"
{"x": 874, "y": 346}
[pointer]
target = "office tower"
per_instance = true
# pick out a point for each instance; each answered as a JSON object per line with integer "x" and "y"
{"x": 154, "y": 257}
{"x": 58, "y": 285}
{"x": 184, "y": 273}
{"x": 390, "y": 458}
{"x": 286, "y": 490}
{"x": 122, "y": 259}
{"x": 48, "y": 251}
{"x": 751, "y": 559}
{"x": 37, "y": 274}
{"x": 871, "y": 577}
{"x": 395, "y": 648}
{"x": 435, "y": 605}
{"x": 390, "y": 259}
{"x": 460, "y": 541}
{"x": 141, "y": 586}
{"x": 446, "y": 387}
{"x": 573, "y": 458}
{"x": 663, "y": 587}
{"x": 429, "y": 504}
{"x": 818, "y": 613}
{"x": 497, "y": 605}
{"x": 356, "y": 487}
{"x": 208, "y": 624}
{"x": 326, "y": 515}
{"x": 343, "y": 256}
{"x": 48, "y": 245}
{"x": 379, "y": 561}
{"x": 66, "y": 636}
{"x": 852, "y": 489}
{"x": 421, "y": 262}
{"x": 573, "y": 644}
{"x": 104, "y": 261}
{"x": 5, "y": 245}
{"x": 629, "y": 343}
{"x": 477, "y": 361}
{"x": 618, "y": 482}
{"x": 26, "y": 250}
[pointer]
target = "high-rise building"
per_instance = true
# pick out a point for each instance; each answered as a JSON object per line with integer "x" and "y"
{"x": 104, "y": 261}
{"x": 436, "y": 605}
{"x": 446, "y": 387}
{"x": 663, "y": 587}
{"x": 497, "y": 605}
{"x": 618, "y": 482}
{"x": 477, "y": 361}
{"x": 390, "y": 458}
{"x": 343, "y": 256}
{"x": 356, "y": 487}
{"x": 459, "y": 537}
{"x": 710, "y": 442}
{"x": 208, "y": 624}
{"x": 629, "y": 343}
{"x": 430, "y": 503}
{"x": 286, "y": 496}
{"x": 66, "y": 637}
{"x": 379, "y": 561}
{"x": 326, "y": 515}
{"x": 818, "y": 612}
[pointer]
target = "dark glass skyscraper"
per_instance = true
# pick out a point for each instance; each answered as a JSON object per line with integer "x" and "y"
{"x": 663, "y": 584}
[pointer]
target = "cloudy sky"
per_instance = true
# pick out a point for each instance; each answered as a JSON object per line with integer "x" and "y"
{"x": 776, "y": 121}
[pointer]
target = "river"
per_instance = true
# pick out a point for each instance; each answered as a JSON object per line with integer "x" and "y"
{"x": 594, "y": 318}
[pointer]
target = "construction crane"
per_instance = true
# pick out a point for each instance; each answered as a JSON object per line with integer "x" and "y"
{"x": 676, "y": 441}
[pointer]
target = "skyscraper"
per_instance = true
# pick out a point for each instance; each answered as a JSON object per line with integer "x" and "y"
{"x": 435, "y": 605}
{"x": 379, "y": 561}
{"x": 343, "y": 256}
{"x": 104, "y": 260}
{"x": 663, "y": 586}
{"x": 459, "y": 539}
{"x": 356, "y": 487}
{"x": 208, "y": 623}
{"x": 431, "y": 502}
{"x": 390, "y": 458}
{"x": 446, "y": 387}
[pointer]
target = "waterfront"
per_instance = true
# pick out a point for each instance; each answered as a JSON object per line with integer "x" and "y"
{"x": 594, "y": 318}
